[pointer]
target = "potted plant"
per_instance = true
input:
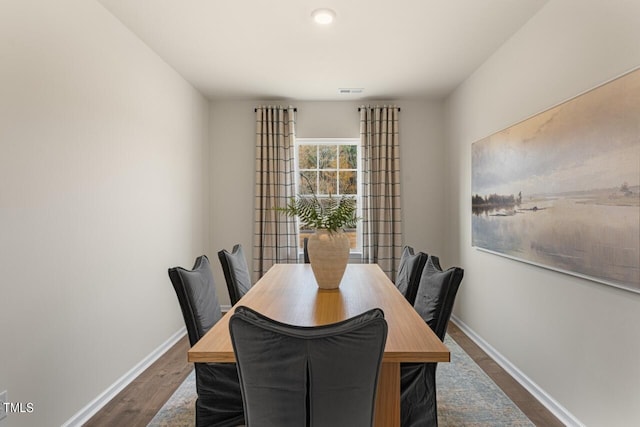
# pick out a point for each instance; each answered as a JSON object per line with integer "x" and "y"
{"x": 328, "y": 246}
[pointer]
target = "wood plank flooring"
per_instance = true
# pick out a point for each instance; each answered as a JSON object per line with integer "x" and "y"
{"x": 137, "y": 404}
{"x": 532, "y": 408}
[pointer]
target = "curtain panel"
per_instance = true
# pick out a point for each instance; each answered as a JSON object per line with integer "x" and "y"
{"x": 275, "y": 237}
{"x": 381, "y": 208}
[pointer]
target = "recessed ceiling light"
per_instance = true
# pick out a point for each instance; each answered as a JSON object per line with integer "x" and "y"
{"x": 323, "y": 16}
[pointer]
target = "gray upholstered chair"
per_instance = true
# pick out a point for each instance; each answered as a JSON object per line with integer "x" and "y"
{"x": 409, "y": 271}
{"x": 236, "y": 273}
{"x": 434, "y": 302}
{"x": 219, "y": 401}
{"x": 295, "y": 376}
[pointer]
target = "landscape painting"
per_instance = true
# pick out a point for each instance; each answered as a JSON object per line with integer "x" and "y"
{"x": 562, "y": 189}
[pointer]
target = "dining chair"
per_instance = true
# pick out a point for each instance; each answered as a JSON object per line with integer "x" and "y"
{"x": 236, "y": 272}
{"x": 323, "y": 376}
{"x": 434, "y": 302}
{"x": 219, "y": 401}
{"x": 409, "y": 271}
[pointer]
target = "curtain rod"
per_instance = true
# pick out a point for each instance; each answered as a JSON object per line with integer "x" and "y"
{"x": 255, "y": 110}
{"x": 361, "y": 109}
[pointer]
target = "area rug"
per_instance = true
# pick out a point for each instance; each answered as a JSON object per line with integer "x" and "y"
{"x": 466, "y": 397}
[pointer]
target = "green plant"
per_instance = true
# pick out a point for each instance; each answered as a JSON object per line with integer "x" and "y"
{"x": 331, "y": 214}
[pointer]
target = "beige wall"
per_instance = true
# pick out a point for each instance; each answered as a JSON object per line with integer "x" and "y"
{"x": 103, "y": 186}
{"x": 232, "y": 130}
{"x": 578, "y": 340}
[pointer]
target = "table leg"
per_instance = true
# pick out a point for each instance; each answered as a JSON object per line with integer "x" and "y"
{"x": 387, "y": 412}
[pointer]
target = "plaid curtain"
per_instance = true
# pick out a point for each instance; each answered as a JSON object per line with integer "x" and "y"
{"x": 381, "y": 212}
{"x": 275, "y": 237}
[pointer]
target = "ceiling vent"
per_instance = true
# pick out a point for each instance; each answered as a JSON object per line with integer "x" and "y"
{"x": 350, "y": 90}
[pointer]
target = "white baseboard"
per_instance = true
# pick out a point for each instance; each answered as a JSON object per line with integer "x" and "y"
{"x": 99, "y": 402}
{"x": 543, "y": 397}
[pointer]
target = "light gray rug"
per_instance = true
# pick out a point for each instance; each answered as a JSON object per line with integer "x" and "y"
{"x": 466, "y": 397}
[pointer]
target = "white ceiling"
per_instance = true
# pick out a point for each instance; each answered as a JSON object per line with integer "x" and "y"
{"x": 271, "y": 49}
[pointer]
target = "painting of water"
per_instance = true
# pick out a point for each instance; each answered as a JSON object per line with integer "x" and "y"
{"x": 562, "y": 189}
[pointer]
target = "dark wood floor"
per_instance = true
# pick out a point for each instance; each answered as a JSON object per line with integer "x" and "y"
{"x": 538, "y": 414}
{"x": 137, "y": 404}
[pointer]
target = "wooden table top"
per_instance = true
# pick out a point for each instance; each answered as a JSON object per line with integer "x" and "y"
{"x": 288, "y": 293}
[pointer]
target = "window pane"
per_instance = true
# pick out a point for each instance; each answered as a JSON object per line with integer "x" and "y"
{"x": 328, "y": 181}
{"x": 348, "y": 182}
{"x": 307, "y": 156}
{"x": 348, "y": 157}
{"x": 307, "y": 182}
{"x": 327, "y": 157}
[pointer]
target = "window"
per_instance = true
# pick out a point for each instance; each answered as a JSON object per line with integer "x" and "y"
{"x": 329, "y": 167}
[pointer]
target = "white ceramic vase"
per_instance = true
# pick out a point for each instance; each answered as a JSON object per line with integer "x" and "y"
{"x": 328, "y": 254}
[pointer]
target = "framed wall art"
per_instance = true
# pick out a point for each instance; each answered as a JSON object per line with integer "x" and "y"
{"x": 561, "y": 189}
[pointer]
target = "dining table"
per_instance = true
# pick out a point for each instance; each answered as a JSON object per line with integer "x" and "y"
{"x": 288, "y": 293}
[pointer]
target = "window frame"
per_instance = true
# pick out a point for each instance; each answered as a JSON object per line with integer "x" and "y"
{"x": 336, "y": 141}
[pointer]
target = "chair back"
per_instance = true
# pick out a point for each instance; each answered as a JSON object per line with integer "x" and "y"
{"x": 236, "y": 273}
{"x": 436, "y": 294}
{"x": 294, "y": 376}
{"x": 197, "y": 296}
{"x": 409, "y": 270}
